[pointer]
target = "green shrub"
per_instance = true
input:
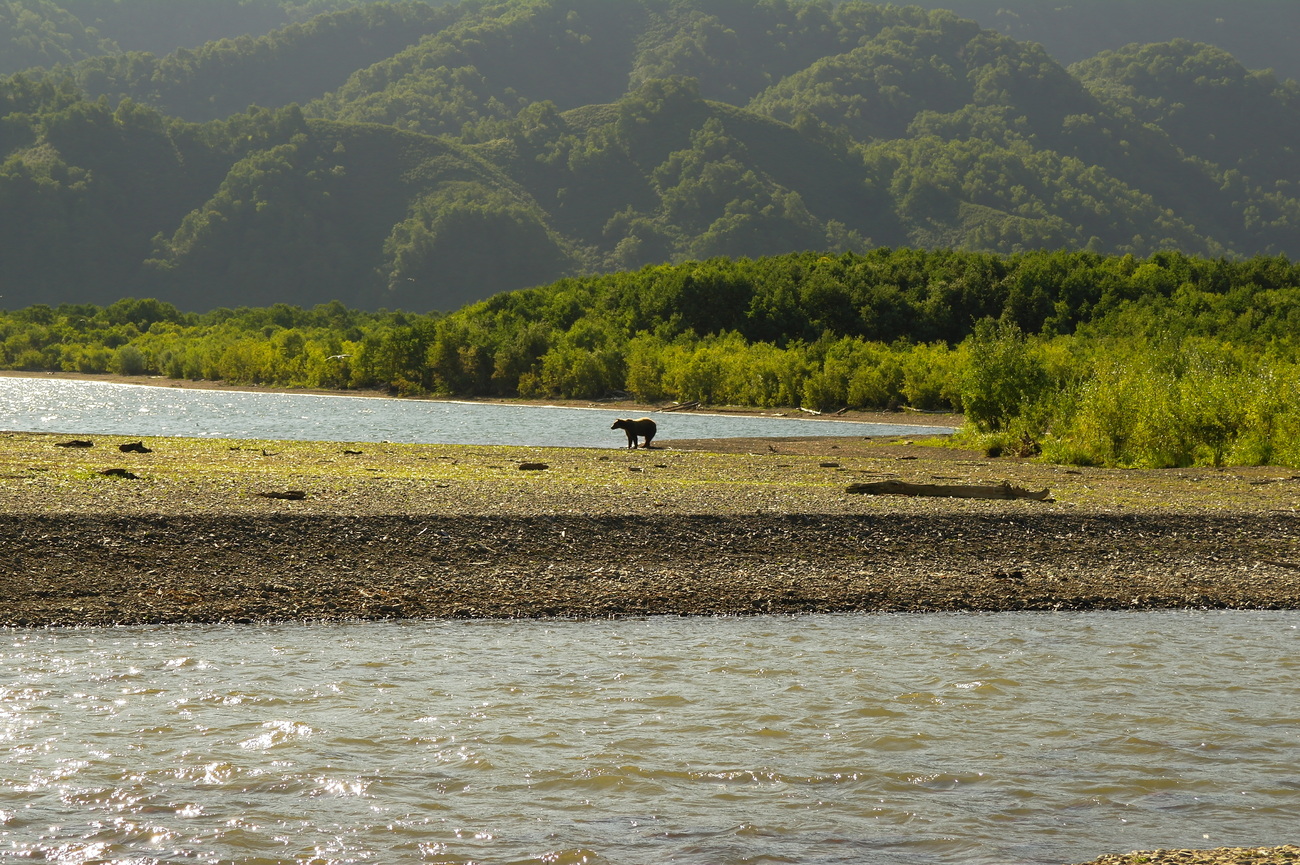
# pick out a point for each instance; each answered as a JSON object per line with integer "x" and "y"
{"x": 1003, "y": 376}
{"x": 127, "y": 360}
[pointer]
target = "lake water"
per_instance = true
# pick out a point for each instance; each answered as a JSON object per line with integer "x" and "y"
{"x": 1010, "y": 738}
{"x": 103, "y": 408}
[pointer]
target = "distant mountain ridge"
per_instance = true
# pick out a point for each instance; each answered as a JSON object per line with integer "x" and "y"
{"x": 426, "y": 156}
{"x": 1263, "y": 34}
{"x": 42, "y": 33}
{"x": 1260, "y": 33}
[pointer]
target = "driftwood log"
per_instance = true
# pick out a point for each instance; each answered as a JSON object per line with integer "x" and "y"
{"x": 1003, "y": 490}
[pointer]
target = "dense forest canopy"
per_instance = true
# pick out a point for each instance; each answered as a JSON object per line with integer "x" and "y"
{"x": 427, "y": 155}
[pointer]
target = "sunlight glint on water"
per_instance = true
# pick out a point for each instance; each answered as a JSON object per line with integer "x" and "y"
{"x": 102, "y": 408}
{"x": 895, "y": 739}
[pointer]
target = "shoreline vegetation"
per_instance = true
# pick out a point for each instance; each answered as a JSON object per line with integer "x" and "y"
{"x": 214, "y": 530}
{"x": 1087, "y": 360}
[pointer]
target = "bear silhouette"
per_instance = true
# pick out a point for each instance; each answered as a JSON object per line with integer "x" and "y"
{"x": 641, "y": 426}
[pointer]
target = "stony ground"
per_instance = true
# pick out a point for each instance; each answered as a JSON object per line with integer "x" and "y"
{"x": 1284, "y": 855}
{"x": 706, "y": 527}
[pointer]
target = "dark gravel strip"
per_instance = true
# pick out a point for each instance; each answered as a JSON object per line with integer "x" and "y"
{"x": 78, "y": 570}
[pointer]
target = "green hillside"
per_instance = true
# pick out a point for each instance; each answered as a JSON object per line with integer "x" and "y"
{"x": 1264, "y": 34}
{"x": 424, "y": 156}
{"x": 42, "y": 33}
{"x": 295, "y": 64}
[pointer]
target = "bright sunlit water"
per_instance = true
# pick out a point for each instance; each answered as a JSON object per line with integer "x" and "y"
{"x": 103, "y": 408}
{"x": 1010, "y": 738}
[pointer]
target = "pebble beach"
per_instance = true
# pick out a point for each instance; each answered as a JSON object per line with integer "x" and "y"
{"x": 188, "y": 530}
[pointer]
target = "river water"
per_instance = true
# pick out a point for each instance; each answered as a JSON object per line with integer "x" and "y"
{"x": 1010, "y": 738}
{"x": 103, "y": 408}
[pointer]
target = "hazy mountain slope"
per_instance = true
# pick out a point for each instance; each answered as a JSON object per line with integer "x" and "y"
{"x": 295, "y": 64}
{"x": 316, "y": 212}
{"x": 1209, "y": 105}
{"x": 101, "y": 204}
{"x": 41, "y": 33}
{"x": 1240, "y": 129}
{"x": 664, "y": 173}
{"x": 492, "y": 64}
{"x": 1014, "y": 132}
{"x": 84, "y": 188}
{"x": 471, "y": 149}
{"x": 1262, "y": 34}
{"x": 48, "y": 32}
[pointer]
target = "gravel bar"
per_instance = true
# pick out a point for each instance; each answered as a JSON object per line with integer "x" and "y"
{"x": 219, "y": 531}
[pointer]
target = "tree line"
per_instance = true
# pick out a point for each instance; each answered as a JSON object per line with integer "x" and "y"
{"x": 1109, "y": 360}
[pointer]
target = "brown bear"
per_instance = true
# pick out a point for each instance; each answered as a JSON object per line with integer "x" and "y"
{"x": 642, "y": 426}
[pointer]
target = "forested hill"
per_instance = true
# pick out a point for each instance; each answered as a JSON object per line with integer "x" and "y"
{"x": 47, "y": 32}
{"x": 424, "y": 156}
{"x": 1262, "y": 35}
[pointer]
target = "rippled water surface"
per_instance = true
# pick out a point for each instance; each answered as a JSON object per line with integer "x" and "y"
{"x": 847, "y": 739}
{"x": 103, "y": 408}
